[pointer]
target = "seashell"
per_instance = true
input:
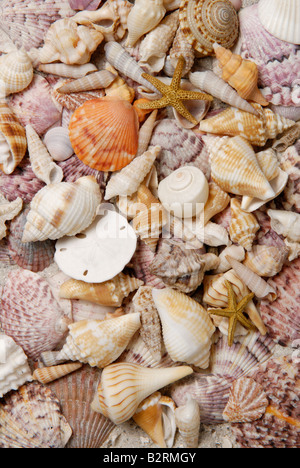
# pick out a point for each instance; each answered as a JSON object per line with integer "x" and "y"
{"x": 237, "y": 4}
{"x": 68, "y": 71}
{"x": 143, "y": 17}
{"x": 265, "y": 260}
{"x": 293, "y": 250}
{"x": 209, "y": 82}
{"x": 179, "y": 147}
{"x": 181, "y": 267}
{"x": 8, "y": 211}
{"x": 288, "y": 138}
{"x": 118, "y": 400}
{"x": 109, "y": 241}
{"x": 289, "y": 162}
{"x": 187, "y": 419}
{"x": 99, "y": 342}
{"x": 247, "y": 401}
{"x": 235, "y": 251}
{"x": 181, "y": 46}
{"x": 42, "y": 164}
{"x": 286, "y": 223}
{"x": 141, "y": 261}
{"x": 171, "y": 4}
{"x": 155, "y": 45}
{"x": 12, "y": 139}
{"x": 72, "y": 101}
{"x": 96, "y": 80}
{"x": 117, "y": 56}
{"x": 227, "y": 365}
{"x": 184, "y": 192}
{"x": 104, "y": 120}
{"x": 207, "y": 22}
{"x": 31, "y": 418}
{"x": 45, "y": 221}
{"x": 281, "y": 316}
{"x": 119, "y": 89}
{"x": 14, "y": 368}
{"x": 211, "y": 234}
{"x": 67, "y": 42}
{"x": 145, "y": 133}
{"x": 243, "y": 226}
{"x": 46, "y": 375}
{"x": 75, "y": 392}
{"x": 150, "y": 330}
{"x": 187, "y": 328}
{"x": 58, "y": 143}
{"x": 241, "y": 74}
{"x": 284, "y": 26}
{"x": 84, "y": 4}
{"x": 279, "y": 426}
{"x": 74, "y": 169}
{"x": 128, "y": 180}
{"x": 217, "y": 201}
{"x": 16, "y": 72}
{"x": 110, "y": 293}
{"x": 148, "y": 224}
{"x": 255, "y": 283}
{"x": 257, "y": 130}
{"x": 231, "y": 160}
{"x": 30, "y": 314}
{"x": 35, "y": 106}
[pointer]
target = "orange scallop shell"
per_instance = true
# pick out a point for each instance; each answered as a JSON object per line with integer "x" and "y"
{"x": 104, "y": 133}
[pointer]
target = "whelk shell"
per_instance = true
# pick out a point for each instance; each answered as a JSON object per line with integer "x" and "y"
{"x": 16, "y": 72}
{"x": 13, "y": 143}
{"x": 187, "y": 419}
{"x": 243, "y": 226}
{"x": 144, "y": 16}
{"x": 124, "y": 386}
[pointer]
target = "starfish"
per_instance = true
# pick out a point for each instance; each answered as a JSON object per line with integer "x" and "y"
{"x": 173, "y": 95}
{"x": 234, "y": 312}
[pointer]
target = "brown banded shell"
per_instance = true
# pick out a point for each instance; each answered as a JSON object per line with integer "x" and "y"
{"x": 46, "y": 375}
{"x": 12, "y": 139}
{"x": 205, "y": 22}
{"x": 243, "y": 226}
{"x": 266, "y": 260}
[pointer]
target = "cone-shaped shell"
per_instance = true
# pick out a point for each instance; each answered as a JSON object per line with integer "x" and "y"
{"x": 99, "y": 343}
{"x": 241, "y": 74}
{"x": 99, "y": 79}
{"x": 8, "y": 211}
{"x": 235, "y": 167}
{"x": 243, "y": 226}
{"x": 104, "y": 133}
{"x": 144, "y": 16}
{"x": 46, "y": 375}
{"x": 62, "y": 209}
{"x": 187, "y": 328}
{"x": 16, "y": 72}
{"x": 124, "y": 386}
{"x": 12, "y": 138}
{"x": 187, "y": 419}
{"x": 110, "y": 293}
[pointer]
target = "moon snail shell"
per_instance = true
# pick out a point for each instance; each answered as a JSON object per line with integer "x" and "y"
{"x": 184, "y": 192}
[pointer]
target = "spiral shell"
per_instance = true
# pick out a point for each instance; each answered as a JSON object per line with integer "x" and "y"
{"x": 97, "y": 80}
{"x": 187, "y": 419}
{"x": 243, "y": 226}
{"x": 205, "y": 22}
{"x": 285, "y": 25}
{"x": 68, "y": 71}
{"x": 12, "y": 138}
{"x": 265, "y": 260}
{"x": 144, "y": 16}
{"x": 46, "y": 375}
{"x": 8, "y": 211}
{"x": 16, "y": 72}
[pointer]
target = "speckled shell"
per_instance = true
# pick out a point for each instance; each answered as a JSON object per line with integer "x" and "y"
{"x": 243, "y": 226}
{"x": 51, "y": 214}
{"x": 144, "y": 16}
{"x": 14, "y": 368}
{"x": 124, "y": 386}
{"x": 179, "y": 313}
{"x": 12, "y": 138}
{"x": 247, "y": 401}
{"x": 99, "y": 343}
{"x": 31, "y": 418}
{"x": 16, "y": 72}
{"x": 205, "y": 22}
{"x": 30, "y": 314}
{"x": 265, "y": 260}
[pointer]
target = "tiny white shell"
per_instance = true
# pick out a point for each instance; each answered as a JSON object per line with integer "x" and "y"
{"x": 58, "y": 143}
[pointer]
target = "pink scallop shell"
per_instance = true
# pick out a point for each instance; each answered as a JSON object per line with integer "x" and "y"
{"x": 84, "y": 4}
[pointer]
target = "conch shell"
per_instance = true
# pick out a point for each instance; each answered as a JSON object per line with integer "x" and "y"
{"x": 144, "y": 16}
{"x": 243, "y": 226}
{"x": 16, "y": 72}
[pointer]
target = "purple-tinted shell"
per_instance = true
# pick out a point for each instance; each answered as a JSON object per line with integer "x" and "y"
{"x": 179, "y": 147}
{"x": 84, "y": 4}
{"x": 141, "y": 261}
{"x": 278, "y": 61}
{"x": 73, "y": 168}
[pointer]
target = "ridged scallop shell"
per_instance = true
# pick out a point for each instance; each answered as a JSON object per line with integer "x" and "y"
{"x": 243, "y": 226}
{"x": 74, "y": 169}
{"x": 265, "y": 260}
{"x": 16, "y": 72}
{"x": 241, "y": 74}
{"x": 46, "y": 375}
{"x": 127, "y": 181}
{"x": 12, "y": 138}
{"x": 84, "y": 4}
{"x": 31, "y": 315}
{"x": 235, "y": 167}
{"x": 75, "y": 393}
{"x": 96, "y": 80}
{"x": 187, "y": 328}
{"x": 58, "y": 143}
{"x": 31, "y": 418}
{"x": 99, "y": 343}
{"x": 205, "y": 22}
{"x": 217, "y": 201}
{"x": 144, "y": 16}
{"x": 8, "y": 211}
{"x": 67, "y": 42}
{"x": 187, "y": 418}
{"x": 14, "y": 368}
{"x": 52, "y": 207}
{"x": 279, "y": 426}
{"x": 124, "y": 386}
{"x": 284, "y": 26}
{"x": 257, "y": 130}
{"x": 227, "y": 365}
{"x": 111, "y": 293}
{"x": 247, "y": 401}
{"x": 71, "y": 101}
{"x": 95, "y": 130}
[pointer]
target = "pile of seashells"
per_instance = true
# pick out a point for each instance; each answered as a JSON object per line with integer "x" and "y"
{"x": 149, "y": 157}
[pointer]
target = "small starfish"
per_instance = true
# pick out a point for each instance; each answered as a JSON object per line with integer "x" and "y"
{"x": 173, "y": 95}
{"x": 234, "y": 312}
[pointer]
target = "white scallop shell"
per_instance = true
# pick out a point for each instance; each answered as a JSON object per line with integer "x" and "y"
{"x": 281, "y": 19}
